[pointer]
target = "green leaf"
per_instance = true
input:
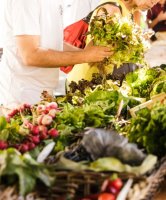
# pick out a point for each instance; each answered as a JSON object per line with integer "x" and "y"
{"x": 27, "y": 180}
{"x": 3, "y": 123}
{"x": 4, "y": 134}
{"x": 113, "y": 164}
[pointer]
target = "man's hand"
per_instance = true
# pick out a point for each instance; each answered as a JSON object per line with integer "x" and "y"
{"x": 96, "y": 53}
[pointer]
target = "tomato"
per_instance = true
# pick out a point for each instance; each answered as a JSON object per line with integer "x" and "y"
{"x": 106, "y": 196}
{"x": 112, "y": 190}
{"x": 117, "y": 184}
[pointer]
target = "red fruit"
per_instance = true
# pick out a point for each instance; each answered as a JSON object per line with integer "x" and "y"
{"x": 46, "y": 120}
{"x": 35, "y": 139}
{"x": 23, "y": 148}
{"x": 3, "y": 145}
{"x": 35, "y": 130}
{"x": 53, "y": 132}
{"x": 24, "y": 106}
{"x": 106, "y": 196}
{"x": 112, "y": 190}
{"x": 117, "y": 184}
{"x": 31, "y": 146}
{"x": 52, "y": 112}
{"x": 43, "y": 136}
{"x": 17, "y": 146}
{"x": 27, "y": 124}
{"x": 40, "y": 109}
{"x": 13, "y": 112}
{"x": 43, "y": 129}
{"x": 52, "y": 105}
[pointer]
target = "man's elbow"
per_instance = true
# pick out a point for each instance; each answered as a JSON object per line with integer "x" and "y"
{"x": 29, "y": 60}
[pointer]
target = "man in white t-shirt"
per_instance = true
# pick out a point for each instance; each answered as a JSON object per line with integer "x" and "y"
{"x": 33, "y": 50}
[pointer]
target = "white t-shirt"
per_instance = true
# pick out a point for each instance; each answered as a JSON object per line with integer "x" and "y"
{"x": 74, "y": 10}
{"x": 20, "y": 83}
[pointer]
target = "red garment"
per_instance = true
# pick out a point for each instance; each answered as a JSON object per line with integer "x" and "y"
{"x": 153, "y": 13}
{"x": 75, "y": 34}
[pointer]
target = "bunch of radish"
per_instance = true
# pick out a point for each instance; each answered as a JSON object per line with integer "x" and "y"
{"x": 38, "y": 128}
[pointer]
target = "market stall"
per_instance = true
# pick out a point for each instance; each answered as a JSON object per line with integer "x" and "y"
{"x": 104, "y": 139}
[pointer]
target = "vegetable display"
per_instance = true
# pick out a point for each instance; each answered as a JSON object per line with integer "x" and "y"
{"x": 88, "y": 130}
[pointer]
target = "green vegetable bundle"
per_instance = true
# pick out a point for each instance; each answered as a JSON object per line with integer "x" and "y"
{"x": 148, "y": 129}
{"x": 122, "y": 35}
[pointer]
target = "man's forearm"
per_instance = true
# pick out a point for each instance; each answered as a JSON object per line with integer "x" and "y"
{"x": 50, "y": 58}
{"x": 33, "y": 55}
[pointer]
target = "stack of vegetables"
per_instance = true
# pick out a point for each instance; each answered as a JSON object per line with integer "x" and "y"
{"x": 105, "y": 147}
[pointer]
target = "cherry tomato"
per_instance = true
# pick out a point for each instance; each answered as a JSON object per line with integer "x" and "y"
{"x": 112, "y": 190}
{"x": 117, "y": 184}
{"x": 106, "y": 196}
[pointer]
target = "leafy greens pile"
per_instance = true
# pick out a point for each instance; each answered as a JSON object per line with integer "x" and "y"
{"x": 148, "y": 129}
{"x": 146, "y": 82}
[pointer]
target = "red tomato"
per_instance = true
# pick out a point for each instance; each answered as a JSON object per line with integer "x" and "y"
{"x": 117, "y": 184}
{"x": 106, "y": 196}
{"x": 112, "y": 190}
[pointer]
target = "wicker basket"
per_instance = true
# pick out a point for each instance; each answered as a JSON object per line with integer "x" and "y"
{"x": 72, "y": 185}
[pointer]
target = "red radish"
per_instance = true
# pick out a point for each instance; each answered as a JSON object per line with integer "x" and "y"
{"x": 35, "y": 130}
{"x": 46, "y": 120}
{"x": 53, "y": 132}
{"x": 23, "y": 148}
{"x": 31, "y": 145}
{"x": 43, "y": 136}
{"x": 3, "y": 145}
{"x": 13, "y": 112}
{"x": 52, "y": 105}
{"x": 27, "y": 124}
{"x": 24, "y": 106}
{"x": 40, "y": 109}
{"x": 106, "y": 196}
{"x": 43, "y": 129}
{"x": 52, "y": 112}
{"x": 35, "y": 139}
